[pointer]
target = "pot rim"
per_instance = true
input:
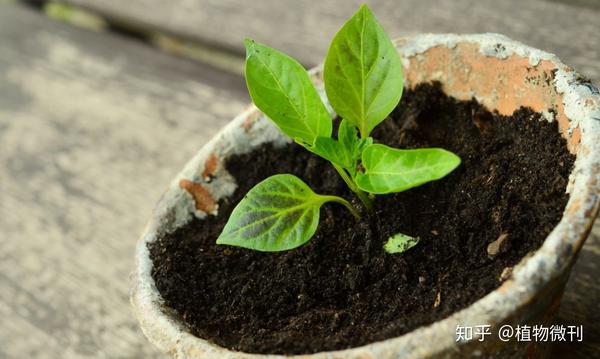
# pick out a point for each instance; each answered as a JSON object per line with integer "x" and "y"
{"x": 558, "y": 252}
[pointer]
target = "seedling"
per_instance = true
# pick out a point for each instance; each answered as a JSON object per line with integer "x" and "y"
{"x": 363, "y": 81}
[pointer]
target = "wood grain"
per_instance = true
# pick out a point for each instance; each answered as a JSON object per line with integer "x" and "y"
{"x": 581, "y": 302}
{"x": 304, "y": 28}
{"x": 92, "y": 129}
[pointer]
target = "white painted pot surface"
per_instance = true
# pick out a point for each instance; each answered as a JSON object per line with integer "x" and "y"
{"x": 500, "y": 73}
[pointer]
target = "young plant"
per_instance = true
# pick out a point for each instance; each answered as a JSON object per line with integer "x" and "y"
{"x": 363, "y": 81}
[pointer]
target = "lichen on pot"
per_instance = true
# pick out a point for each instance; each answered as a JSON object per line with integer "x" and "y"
{"x": 533, "y": 291}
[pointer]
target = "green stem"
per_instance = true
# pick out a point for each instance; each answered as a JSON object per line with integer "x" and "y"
{"x": 345, "y": 203}
{"x": 362, "y": 195}
{"x": 363, "y": 134}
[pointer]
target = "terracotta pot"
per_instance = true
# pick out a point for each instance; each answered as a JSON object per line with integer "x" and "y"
{"x": 501, "y": 74}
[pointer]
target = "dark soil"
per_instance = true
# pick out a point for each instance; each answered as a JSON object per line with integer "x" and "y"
{"x": 341, "y": 289}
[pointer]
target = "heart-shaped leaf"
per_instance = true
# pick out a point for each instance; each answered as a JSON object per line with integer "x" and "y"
{"x": 390, "y": 170}
{"x": 278, "y": 214}
{"x": 281, "y": 88}
{"x": 363, "y": 72}
{"x": 399, "y": 243}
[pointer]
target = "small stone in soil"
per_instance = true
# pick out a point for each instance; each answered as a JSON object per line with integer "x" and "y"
{"x": 506, "y": 273}
{"x": 498, "y": 246}
{"x": 438, "y": 300}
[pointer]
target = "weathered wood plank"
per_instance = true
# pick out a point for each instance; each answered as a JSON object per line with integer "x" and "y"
{"x": 580, "y": 303}
{"x": 303, "y": 28}
{"x": 92, "y": 128}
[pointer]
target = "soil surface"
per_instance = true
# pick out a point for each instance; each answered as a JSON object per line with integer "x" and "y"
{"x": 341, "y": 289}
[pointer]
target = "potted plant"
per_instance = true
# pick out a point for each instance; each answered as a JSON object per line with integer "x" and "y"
{"x": 225, "y": 267}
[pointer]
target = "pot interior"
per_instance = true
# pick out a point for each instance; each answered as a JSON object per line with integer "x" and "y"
{"x": 502, "y": 82}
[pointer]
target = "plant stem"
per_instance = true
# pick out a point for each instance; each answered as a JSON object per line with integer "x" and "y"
{"x": 364, "y": 198}
{"x": 345, "y": 203}
{"x": 363, "y": 134}
{"x": 362, "y": 195}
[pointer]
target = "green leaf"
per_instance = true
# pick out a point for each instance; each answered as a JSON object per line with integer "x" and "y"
{"x": 390, "y": 170}
{"x": 344, "y": 152}
{"x": 361, "y": 145}
{"x": 363, "y": 72}
{"x": 347, "y": 134}
{"x": 349, "y": 139}
{"x": 399, "y": 243}
{"x": 353, "y": 145}
{"x": 333, "y": 151}
{"x": 278, "y": 214}
{"x": 281, "y": 88}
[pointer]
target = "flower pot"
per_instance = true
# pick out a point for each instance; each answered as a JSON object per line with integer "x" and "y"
{"x": 502, "y": 75}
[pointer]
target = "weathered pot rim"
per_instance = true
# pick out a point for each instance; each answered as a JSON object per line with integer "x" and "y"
{"x": 582, "y": 107}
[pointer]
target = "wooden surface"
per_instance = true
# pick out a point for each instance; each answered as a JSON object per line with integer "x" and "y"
{"x": 93, "y": 126}
{"x": 581, "y": 302}
{"x": 92, "y": 129}
{"x": 304, "y": 27}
